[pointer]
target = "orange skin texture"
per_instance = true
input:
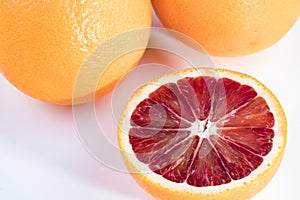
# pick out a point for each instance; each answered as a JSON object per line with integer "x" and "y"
{"x": 246, "y": 191}
{"x": 230, "y": 28}
{"x": 44, "y": 43}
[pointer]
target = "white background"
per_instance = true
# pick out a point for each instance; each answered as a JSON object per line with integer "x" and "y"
{"x": 41, "y": 156}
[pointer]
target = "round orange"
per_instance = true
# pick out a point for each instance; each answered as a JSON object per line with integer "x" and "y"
{"x": 203, "y": 133}
{"x": 230, "y": 28}
{"x": 43, "y": 44}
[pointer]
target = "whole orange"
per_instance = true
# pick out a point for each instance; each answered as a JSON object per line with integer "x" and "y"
{"x": 230, "y": 27}
{"x": 43, "y": 44}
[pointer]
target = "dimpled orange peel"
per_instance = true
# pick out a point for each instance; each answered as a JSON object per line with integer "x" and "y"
{"x": 44, "y": 43}
{"x": 230, "y": 27}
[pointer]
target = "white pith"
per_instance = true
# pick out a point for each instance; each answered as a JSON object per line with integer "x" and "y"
{"x": 202, "y": 128}
{"x": 197, "y": 128}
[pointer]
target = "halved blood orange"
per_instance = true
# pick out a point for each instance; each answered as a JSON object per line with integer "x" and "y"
{"x": 203, "y": 133}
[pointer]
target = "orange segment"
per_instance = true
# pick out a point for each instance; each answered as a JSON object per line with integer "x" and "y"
{"x": 260, "y": 117}
{"x": 214, "y": 155}
{"x": 256, "y": 140}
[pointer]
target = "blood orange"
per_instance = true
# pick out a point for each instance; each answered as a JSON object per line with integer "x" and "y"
{"x": 45, "y": 44}
{"x": 203, "y": 134}
{"x": 230, "y": 28}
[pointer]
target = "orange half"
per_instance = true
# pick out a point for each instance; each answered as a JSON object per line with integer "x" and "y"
{"x": 203, "y": 133}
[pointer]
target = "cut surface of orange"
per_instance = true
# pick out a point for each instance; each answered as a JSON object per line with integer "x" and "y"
{"x": 203, "y": 133}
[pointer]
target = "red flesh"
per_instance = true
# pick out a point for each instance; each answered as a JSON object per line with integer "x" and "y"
{"x": 161, "y": 138}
